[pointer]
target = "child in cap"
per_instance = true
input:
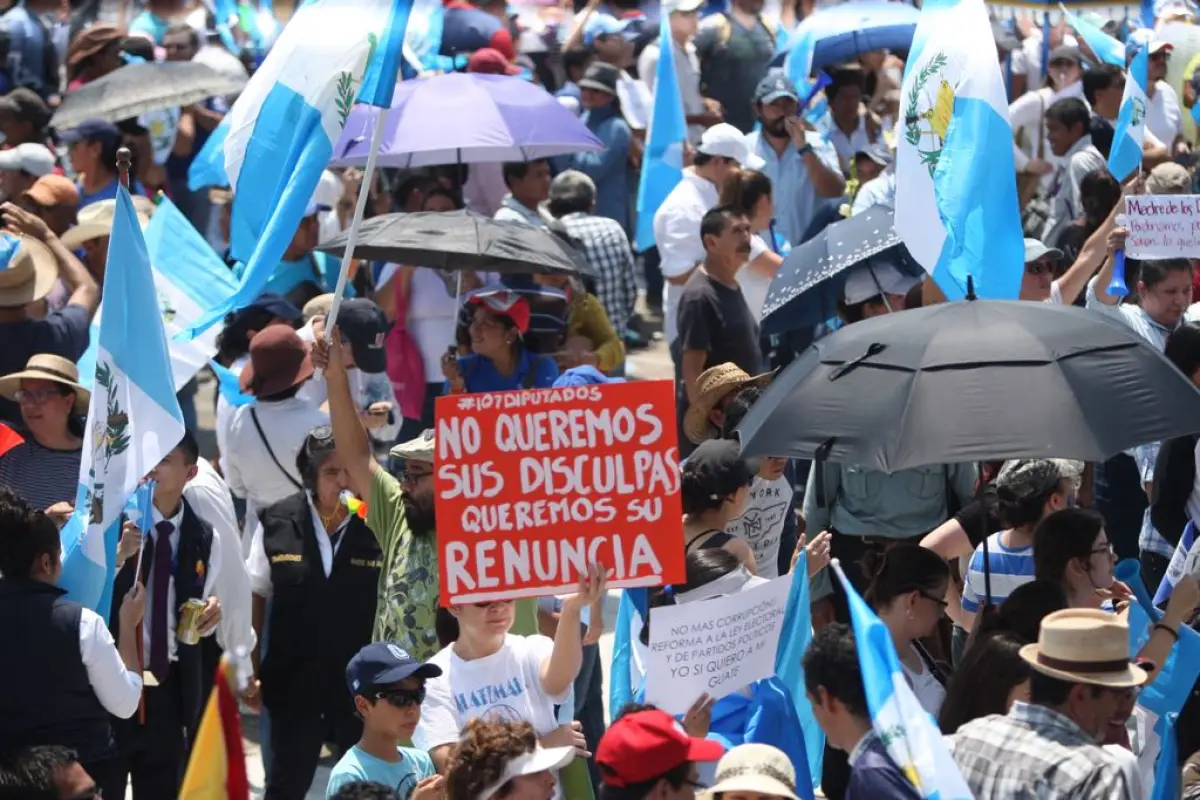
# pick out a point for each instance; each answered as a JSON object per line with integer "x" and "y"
{"x": 388, "y": 686}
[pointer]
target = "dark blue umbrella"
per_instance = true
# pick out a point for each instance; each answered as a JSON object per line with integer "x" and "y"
{"x": 841, "y": 33}
{"x": 812, "y": 278}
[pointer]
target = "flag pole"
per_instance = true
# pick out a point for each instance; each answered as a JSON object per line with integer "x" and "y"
{"x": 360, "y": 207}
{"x": 124, "y": 163}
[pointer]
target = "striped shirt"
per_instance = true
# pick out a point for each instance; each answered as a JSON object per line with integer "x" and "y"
{"x": 1010, "y": 567}
{"x": 40, "y": 475}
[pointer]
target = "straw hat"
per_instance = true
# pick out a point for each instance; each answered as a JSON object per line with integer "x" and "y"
{"x": 96, "y": 220}
{"x": 46, "y": 367}
{"x": 29, "y": 275}
{"x": 755, "y": 769}
{"x": 713, "y": 386}
{"x": 1085, "y": 645}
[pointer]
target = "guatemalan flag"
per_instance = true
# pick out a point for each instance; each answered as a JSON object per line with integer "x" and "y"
{"x": 1184, "y": 561}
{"x": 1107, "y": 49}
{"x": 133, "y": 419}
{"x": 662, "y": 166}
{"x": 1126, "y": 153}
{"x": 956, "y": 200}
{"x": 907, "y": 730}
{"x": 332, "y": 54}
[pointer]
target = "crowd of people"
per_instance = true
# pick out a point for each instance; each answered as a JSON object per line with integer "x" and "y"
{"x": 302, "y": 529}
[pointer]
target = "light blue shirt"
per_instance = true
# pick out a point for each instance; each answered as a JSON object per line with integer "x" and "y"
{"x": 880, "y": 191}
{"x": 150, "y": 25}
{"x": 27, "y": 42}
{"x": 357, "y": 765}
{"x": 796, "y": 198}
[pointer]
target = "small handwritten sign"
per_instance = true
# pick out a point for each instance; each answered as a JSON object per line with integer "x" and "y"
{"x": 1163, "y": 226}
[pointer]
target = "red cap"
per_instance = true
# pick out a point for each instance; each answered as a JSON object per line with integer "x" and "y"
{"x": 644, "y": 745}
{"x": 502, "y": 41}
{"x": 490, "y": 61}
{"x": 504, "y": 303}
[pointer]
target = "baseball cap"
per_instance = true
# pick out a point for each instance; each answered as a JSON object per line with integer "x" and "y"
{"x": 29, "y": 157}
{"x": 601, "y": 77}
{"x": 774, "y": 86}
{"x": 1035, "y": 249}
{"x": 681, "y": 6}
{"x": 587, "y": 375}
{"x": 490, "y": 61}
{"x": 276, "y": 305}
{"x": 727, "y": 141}
{"x": 1066, "y": 52}
{"x": 366, "y": 326}
{"x": 877, "y": 276}
{"x": 506, "y": 303}
{"x": 51, "y": 191}
{"x": 877, "y": 152}
{"x": 92, "y": 130}
{"x": 25, "y": 104}
{"x": 599, "y": 25}
{"x": 1158, "y": 45}
{"x": 643, "y": 745}
{"x": 720, "y": 468}
{"x": 383, "y": 663}
{"x": 1037, "y": 477}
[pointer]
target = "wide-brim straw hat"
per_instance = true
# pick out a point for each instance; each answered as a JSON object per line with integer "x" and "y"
{"x": 1085, "y": 645}
{"x": 755, "y": 769}
{"x": 713, "y": 386}
{"x": 46, "y": 367}
{"x": 29, "y": 275}
{"x": 96, "y": 220}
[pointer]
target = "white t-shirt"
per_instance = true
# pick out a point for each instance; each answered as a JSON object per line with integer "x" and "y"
{"x": 503, "y": 687}
{"x": 1163, "y": 116}
{"x": 929, "y": 691}
{"x": 847, "y": 146}
{"x": 754, "y": 285}
{"x": 677, "y": 235}
{"x": 761, "y": 524}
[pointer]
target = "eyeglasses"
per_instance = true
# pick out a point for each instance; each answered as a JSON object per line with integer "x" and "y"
{"x": 940, "y": 601}
{"x": 410, "y": 478}
{"x": 1106, "y": 550}
{"x": 35, "y": 397}
{"x": 402, "y": 698}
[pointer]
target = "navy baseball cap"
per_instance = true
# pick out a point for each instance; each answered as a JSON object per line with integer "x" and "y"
{"x": 384, "y": 663}
{"x": 92, "y": 130}
{"x": 277, "y": 304}
{"x": 775, "y": 86}
{"x": 366, "y": 327}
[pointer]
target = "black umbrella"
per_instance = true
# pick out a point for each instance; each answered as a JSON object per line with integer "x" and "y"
{"x": 141, "y": 88}
{"x": 972, "y": 381}
{"x": 810, "y": 281}
{"x": 458, "y": 240}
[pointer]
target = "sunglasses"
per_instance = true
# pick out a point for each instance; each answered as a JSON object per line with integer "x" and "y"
{"x": 402, "y": 698}
{"x": 940, "y": 601}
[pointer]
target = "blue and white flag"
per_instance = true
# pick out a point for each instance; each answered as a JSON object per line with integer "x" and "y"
{"x": 208, "y": 167}
{"x": 332, "y": 54}
{"x": 1107, "y": 48}
{"x": 1126, "y": 153}
{"x": 907, "y": 730}
{"x": 133, "y": 420}
{"x": 662, "y": 163}
{"x": 956, "y": 200}
{"x": 189, "y": 278}
{"x": 1183, "y": 561}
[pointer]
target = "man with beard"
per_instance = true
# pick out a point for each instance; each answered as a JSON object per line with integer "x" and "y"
{"x": 399, "y": 513}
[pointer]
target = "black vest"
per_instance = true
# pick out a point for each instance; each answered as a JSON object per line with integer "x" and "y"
{"x": 45, "y": 694}
{"x": 317, "y": 623}
{"x": 191, "y": 569}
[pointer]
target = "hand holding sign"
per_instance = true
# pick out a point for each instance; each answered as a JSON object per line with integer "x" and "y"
{"x": 1162, "y": 226}
{"x": 592, "y": 587}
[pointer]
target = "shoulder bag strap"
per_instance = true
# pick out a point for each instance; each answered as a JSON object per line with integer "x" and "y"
{"x": 262, "y": 437}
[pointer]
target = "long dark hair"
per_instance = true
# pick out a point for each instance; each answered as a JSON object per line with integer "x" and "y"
{"x": 904, "y": 568}
{"x": 703, "y": 567}
{"x": 985, "y": 678}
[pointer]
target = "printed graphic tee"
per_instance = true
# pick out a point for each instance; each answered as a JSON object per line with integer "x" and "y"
{"x": 761, "y": 524}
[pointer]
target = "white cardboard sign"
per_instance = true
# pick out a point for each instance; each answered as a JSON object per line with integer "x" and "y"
{"x": 1163, "y": 226}
{"x": 716, "y": 646}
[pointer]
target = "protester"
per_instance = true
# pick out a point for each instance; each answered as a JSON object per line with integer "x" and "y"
{"x": 1071, "y": 548}
{"x": 317, "y": 620}
{"x": 756, "y": 771}
{"x": 749, "y": 192}
{"x": 47, "y": 771}
{"x": 400, "y": 512}
{"x": 499, "y": 359}
{"x": 1164, "y": 117}
{"x": 591, "y": 338}
{"x": 55, "y": 200}
{"x": 21, "y": 166}
{"x": 853, "y": 129}
{"x": 734, "y": 47}
{"x": 528, "y": 185}
{"x": 1027, "y": 114}
{"x": 1169, "y": 178}
{"x": 92, "y": 233}
{"x": 1050, "y": 744}
{"x": 1103, "y": 89}
{"x": 63, "y": 645}
{"x": 1022, "y": 613}
{"x": 1099, "y": 193}
{"x": 94, "y": 52}
{"x": 700, "y": 112}
{"x": 608, "y": 168}
{"x": 834, "y": 686}
{"x": 1067, "y": 125}
{"x": 503, "y": 760}
{"x": 300, "y": 274}
{"x": 179, "y": 562}
{"x": 92, "y": 150}
{"x": 716, "y": 389}
{"x": 387, "y": 686}
{"x": 645, "y": 754}
{"x": 714, "y": 488}
{"x": 989, "y": 679}
{"x": 44, "y": 469}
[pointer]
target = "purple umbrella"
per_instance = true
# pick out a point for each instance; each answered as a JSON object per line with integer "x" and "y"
{"x": 461, "y": 118}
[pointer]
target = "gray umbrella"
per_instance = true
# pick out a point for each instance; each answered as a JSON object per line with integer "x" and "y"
{"x": 458, "y": 240}
{"x": 973, "y": 381}
{"x": 141, "y": 88}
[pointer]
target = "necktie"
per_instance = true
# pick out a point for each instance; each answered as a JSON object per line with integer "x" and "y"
{"x": 160, "y": 661}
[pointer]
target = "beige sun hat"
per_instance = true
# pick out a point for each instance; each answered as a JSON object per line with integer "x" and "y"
{"x": 1085, "y": 645}
{"x": 755, "y": 768}
{"x": 713, "y": 386}
{"x": 96, "y": 220}
{"x": 46, "y": 367}
{"x": 418, "y": 449}
{"x": 29, "y": 275}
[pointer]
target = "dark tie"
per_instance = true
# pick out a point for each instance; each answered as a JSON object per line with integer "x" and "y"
{"x": 160, "y": 661}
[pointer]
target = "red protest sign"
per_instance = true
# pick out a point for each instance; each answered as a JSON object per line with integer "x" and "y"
{"x": 533, "y": 486}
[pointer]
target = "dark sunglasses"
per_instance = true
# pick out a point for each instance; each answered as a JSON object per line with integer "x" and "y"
{"x": 402, "y": 698}
{"x": 940, "y": 601}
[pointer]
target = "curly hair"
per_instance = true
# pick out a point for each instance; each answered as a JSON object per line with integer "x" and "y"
{"x": 480, "y": 757}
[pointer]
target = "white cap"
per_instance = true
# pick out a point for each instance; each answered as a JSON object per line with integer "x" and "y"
{"x": 540, "y": 760}
{"x": 682, "y": 6}
{"x": 875, "y": 278}
{"x": 35, "y": 159}
{"x": 727, "y": 141}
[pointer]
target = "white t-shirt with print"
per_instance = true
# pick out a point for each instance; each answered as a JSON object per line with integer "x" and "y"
{"x": 761, "y": 524}
{"x": 503, "y": 687}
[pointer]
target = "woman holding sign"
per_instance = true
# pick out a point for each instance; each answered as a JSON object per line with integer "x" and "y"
{"x": 491, "y": 674}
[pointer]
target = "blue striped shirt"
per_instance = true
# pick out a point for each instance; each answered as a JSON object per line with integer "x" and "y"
{"x": 1010, "y": 567}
